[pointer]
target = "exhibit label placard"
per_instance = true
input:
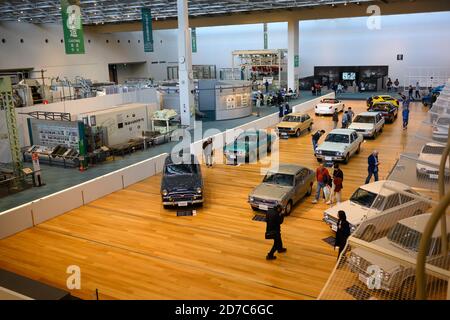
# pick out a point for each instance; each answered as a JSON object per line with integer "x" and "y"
{"x": 72, "y": 26}
{"x": 194, "y": 40}
{"x": 147, "y": 29}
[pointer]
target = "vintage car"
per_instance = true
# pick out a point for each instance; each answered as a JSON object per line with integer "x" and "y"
{"x": 369, "y": 124}
{"x": 327, "y": 106}
{"x": 440, "y": 128}
{"x": 384, "y": 98}
{"x": 388, "y": 111}
{"x": 339, "y": 145}
{"x": 371, "y": 203}
{"x": 181, "y": 183}
{"x": 403, "y": 240}
{"x": 284, "y": 185}
{"x": 249, "y": 146}
{"x": 294, "y": 124}
{"x": 431, "y": 153}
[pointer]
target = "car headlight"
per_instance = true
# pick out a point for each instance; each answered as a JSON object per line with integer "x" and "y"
{"x": 199, "y": 190}
{"x": 165, "y": 192}
{"x": 319, "y": 151}
{"x": 352, "y": 228}
{"x": 251, "y": 199}
{"x": 339, "y": 153}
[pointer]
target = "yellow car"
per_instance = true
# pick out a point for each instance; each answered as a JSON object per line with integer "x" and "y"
{"x": 294, "y": 124}
{"x": 372, "y": 100}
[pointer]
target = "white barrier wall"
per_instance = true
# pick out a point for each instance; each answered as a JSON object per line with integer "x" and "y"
{"x": 36, "y": 212}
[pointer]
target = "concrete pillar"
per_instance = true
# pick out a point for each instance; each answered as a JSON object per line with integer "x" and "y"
{"x": 293, "y": 70}
{"x": 185, "y": 73}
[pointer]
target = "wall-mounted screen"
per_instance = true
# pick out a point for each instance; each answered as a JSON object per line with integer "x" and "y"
{"x": 349, "y": 76}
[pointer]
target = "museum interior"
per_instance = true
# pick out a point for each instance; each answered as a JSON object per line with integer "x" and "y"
{"x": 241, "y": 150}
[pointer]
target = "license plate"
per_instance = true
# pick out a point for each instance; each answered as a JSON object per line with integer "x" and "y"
{"x": 263, "y": 207}
{"x": 434, "y": 176}
{"x": 284, "y": 134}
{"x": 182, "y": 204}
{"x": 334, "y": 227}
{"x": 328, "y": 158}
{"x": 232, "y": 156}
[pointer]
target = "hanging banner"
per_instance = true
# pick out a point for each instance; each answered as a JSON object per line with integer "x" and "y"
{"x": 147, "y": 29}
{"x": 296, "y": 61}
{"x": 266, "y": 37}
{"x": 194, "y": 40}
{"x": 72, "y": 26}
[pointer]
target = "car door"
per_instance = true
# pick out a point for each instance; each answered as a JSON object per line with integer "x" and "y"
{"x": 304, "y": 123}
{"x": 352, "y": 144}
{"x": 299, "y": 185}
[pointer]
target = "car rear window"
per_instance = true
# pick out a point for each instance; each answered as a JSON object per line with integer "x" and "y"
{"x": 364, "y": 119}
{"x": 181, "y": 169}
{"x": 433, "y": 149}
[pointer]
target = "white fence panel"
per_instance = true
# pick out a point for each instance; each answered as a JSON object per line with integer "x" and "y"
{"x": 102, "y": 186}
{"x": 15, "y": 220}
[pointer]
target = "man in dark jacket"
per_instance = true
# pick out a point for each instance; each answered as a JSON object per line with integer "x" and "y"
{"x": 315, "y": 138}
{"x": 342, "y": 232}
{"x": 335, "y": 118}
{"x": 274, "y": 219}
{"x": 373, "y": 166}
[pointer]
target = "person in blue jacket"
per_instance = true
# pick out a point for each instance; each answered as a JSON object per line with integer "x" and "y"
{"x": 373, "y": 166}
{"x": 405, "y": 114}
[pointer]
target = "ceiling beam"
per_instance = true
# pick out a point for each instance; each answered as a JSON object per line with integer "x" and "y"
{"x": 282, "y": 15}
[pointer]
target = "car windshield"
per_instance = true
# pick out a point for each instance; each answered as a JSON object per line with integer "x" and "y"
{"x": 381, "y": 107}
{"x": 338, "y": 138}
{"x": 405, "y": 237}
{"x": 364, "y": 119}
{"x": 292, "y": 119}
{"x": 363, "y": 197}
{"x": 433, "y": 149}
{"x": 328, "y": 101}
{"x": 181, "y": 169}
{"x": 281, "y": 179}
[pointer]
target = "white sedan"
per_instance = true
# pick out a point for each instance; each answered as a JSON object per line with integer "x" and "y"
{"x": 339, "y": 145}
{"x": 327, "y": 106}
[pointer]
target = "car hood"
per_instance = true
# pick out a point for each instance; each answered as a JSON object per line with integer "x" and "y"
{"x": 270, "y": 191}
{"x": 181, "y": 182}
{"x": 325, "y": 105}
{"x": 364, "y": 126}
{"x": 434, "y": 159}
{"x": 355, "y": 213}
{"x": 388, "y": 265}
{"x": 287, "y": 124}
{"x": 332, "y": 146}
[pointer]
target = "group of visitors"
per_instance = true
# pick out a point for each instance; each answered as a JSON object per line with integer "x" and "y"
{"x": 347, "y": 118}
{"x": 392, "y": 85}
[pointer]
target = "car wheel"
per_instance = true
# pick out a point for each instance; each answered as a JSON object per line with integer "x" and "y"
{"x": 297, "y": 133}
{"x": 375, "y": 135}
{"x": 288, "y": 209}
{"x": 408, "y": 289}
{"x": 381, "y": 129}
{"x": 309, "y": 192}
{"x": 347, "y": 158}
{"x": 269, "y": 148}
{"x": 368, "y": 233}
{"x": 359, "y": 147}
{"x": 316, "y": 114}
{"x": 254, "y": 209}
{"x": 166, "y": 206}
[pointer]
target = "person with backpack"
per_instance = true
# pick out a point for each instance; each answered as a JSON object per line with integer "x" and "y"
{"x": 315, "y": 138}
{"x": 323, "y": 178}
{"x": 405, "y": 114}
{"x": 274, "y": 219}
{"x": 345, "y": 120}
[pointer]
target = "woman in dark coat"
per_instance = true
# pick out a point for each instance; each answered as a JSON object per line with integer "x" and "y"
{"x": 274, "y": 219}
{"x": 343, "y": 232}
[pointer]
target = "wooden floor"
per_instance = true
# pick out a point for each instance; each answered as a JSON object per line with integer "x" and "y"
{"x": 129, "y": 247}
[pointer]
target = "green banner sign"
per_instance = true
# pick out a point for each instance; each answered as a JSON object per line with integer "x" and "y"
{"x": 296, "y": 61}
{"x": 72, "y": 26}
{"x": 147, "y": 29}
{"x": 266, "y": 37}
{"x": 194, "y": 40}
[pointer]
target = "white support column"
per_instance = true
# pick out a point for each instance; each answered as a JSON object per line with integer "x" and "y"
{"x": 293, "y": 52}
{"x": 185, "y": 73}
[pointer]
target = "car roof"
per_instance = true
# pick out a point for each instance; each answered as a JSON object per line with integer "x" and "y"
{"x": 342, "y": 131}
{"x": 169, "y": 160}
{"x": 380, "y": 187}
{"x": 420, "y": 221}
{"x": 287, "y": 168}
{"x": 368, "y": 113}
{"x": 297, "y": 114}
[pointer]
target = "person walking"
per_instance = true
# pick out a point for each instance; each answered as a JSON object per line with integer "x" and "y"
{"x": 335, "y": 118}
{"x": 351, "y": 114}
{"x": 389, "y": 85}
{"x": 373, "y": 164}
{"x": 396, "y": 85}
{"x": 342, "y": 232}
{"x": 336, "y": 188}
{"x": 418, "y": 90}
{"x": 322, "y": 177}
{"x": 274, "y": 219}
{"x": 410, "y": 92}
{"x": 266, "y": 84}
{"x": 315, "y": 138}
{"x": 258, "y": 106}
{"x": 208, "y": 152}
{"x": 287, "y": 108}
{"x": 405, "y": 114}
{"x": 345, "y": 120}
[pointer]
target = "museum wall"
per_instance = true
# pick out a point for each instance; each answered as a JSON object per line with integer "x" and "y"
{"x": 421, "y": 38}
